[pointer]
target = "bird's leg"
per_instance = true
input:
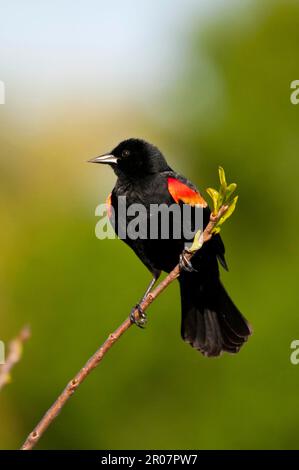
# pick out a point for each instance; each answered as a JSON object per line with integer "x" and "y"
{"x": 142, "y": 320}
{"x": 185, "y": 264}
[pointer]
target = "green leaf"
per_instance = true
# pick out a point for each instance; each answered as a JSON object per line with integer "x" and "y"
{"x": 214, "y": 195}
{"x": 223, "y": 187}
{"x": 223, "y": 196}
{"x": 196, "y": 244}
{"x": 222, "y": 178}
{"x": 229, "y": 211}
{"x": 229, "y": 191}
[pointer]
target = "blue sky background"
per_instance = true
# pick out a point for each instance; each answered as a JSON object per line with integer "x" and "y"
{"x": 112, "y": 48}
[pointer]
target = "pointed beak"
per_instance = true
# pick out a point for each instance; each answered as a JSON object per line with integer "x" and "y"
{"x": 107, "y": 158}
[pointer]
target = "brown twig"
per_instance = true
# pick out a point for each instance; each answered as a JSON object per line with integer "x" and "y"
{"x": 14, "y": 355}
{"x": 98, "y": 356}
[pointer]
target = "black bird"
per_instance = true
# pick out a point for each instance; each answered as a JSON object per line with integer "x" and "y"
{"x": 211, "y": 323}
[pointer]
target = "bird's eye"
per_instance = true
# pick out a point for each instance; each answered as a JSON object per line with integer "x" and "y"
{"x": 125, "y": 153}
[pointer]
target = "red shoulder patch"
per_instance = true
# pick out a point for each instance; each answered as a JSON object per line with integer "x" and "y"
{"x": 181, "y": 192}
{"x": 109, "y": 205}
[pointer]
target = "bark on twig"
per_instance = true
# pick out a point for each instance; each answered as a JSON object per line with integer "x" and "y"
{"x": 98, "y": 356}
{"x": 15, "y": 348}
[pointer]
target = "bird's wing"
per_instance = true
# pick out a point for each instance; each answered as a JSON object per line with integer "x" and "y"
{"x": 183, "y": 191}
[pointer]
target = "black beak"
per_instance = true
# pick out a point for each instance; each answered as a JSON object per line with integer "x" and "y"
{"x": 107, "y": 158}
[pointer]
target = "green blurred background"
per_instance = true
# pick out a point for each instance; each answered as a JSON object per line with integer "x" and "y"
{"x": 209, "y": 84}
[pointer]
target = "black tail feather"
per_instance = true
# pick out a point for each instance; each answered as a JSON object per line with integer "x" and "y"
{"x": 211, "y": 322}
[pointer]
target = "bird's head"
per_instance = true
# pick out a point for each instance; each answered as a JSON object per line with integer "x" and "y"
{"x": 134, "y": 157}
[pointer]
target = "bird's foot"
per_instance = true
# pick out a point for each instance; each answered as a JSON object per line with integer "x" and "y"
{"x": 185, "y": 264}
{"x": 142, "y": 320}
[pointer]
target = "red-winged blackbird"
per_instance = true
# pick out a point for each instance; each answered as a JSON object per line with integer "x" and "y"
{"x": 211, "y": 322}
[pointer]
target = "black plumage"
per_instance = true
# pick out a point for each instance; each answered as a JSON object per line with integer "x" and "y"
{"x": 211, "y": 323}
